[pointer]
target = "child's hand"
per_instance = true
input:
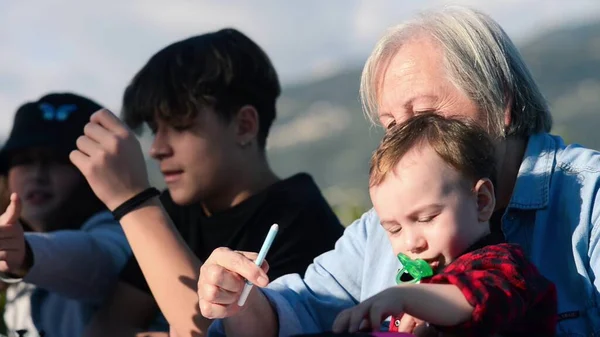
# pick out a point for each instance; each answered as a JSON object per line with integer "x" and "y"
{"x": 12, "y": 239}
{"x": 371, "y": 312}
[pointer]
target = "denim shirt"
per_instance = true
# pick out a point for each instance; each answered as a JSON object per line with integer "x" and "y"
{"x": 551, "y": 214}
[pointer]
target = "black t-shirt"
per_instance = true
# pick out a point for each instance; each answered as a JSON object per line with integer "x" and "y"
{"x": 307, "y": 227}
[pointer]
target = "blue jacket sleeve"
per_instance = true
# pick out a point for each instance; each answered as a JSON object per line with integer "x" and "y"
{"x": 80, "y": 264}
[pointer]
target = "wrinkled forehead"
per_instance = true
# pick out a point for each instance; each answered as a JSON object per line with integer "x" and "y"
{"x": 415, "y": 74}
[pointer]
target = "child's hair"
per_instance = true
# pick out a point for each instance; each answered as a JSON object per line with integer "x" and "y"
{"x": 461, "y": 143}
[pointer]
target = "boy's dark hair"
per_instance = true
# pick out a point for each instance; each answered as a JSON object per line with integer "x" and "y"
{"x": 462, "y": 144}
{"x": 224, "y": 70}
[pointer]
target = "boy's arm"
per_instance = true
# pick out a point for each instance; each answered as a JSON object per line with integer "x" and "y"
{"x": 168, "y": 265}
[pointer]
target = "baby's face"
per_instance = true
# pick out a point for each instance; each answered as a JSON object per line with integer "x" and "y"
{"x": 429, "y": 210}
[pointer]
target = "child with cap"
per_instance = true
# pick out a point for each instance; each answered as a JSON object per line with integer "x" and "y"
{"x": 430, "y": 183}
{"x": 61, "y": 250}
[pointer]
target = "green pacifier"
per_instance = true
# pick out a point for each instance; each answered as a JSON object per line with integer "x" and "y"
{"x": 418, "y": 269}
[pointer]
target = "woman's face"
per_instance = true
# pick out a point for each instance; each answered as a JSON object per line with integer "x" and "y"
{"x": 45, "y": 183}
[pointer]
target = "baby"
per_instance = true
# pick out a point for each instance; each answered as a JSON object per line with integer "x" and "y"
{"x": 430, "y": 183}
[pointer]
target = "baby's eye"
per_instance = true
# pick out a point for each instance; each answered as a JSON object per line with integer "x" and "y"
{"x": 426, "y": 219}
{"x": 395, "y": 230}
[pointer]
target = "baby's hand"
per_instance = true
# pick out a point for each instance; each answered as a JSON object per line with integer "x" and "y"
{"x": 408, "y": 324}
{"x": 370, "y": 313}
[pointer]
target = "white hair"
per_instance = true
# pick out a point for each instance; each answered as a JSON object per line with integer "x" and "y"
{"x": 481, "y": 60}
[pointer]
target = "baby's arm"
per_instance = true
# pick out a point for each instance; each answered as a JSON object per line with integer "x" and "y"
{"x": 478, "y": 294}
{"x": 501, "y": 286}
{"x": 443, "y": 304}
{"x": 439, "y": 304}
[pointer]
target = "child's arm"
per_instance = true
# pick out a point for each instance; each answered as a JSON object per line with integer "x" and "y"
{"x": 439, "y": 304}
{"x": 79, "y": 264}
{"x": 442, "y": 304}
{"x": 476, "y": 295}
{"x": 503, "y": 287}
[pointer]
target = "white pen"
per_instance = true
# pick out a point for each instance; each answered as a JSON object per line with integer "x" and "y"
{"x": 259, "y": 260}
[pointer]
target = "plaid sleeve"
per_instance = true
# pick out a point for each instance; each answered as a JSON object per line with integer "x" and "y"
{"x": 501, "y": 285}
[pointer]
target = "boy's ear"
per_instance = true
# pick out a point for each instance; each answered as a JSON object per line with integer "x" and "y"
{"x": 247, "y": 124}
{"x": 486, "y": 200}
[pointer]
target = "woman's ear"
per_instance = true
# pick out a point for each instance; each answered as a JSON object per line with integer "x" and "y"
{"x": 486, "y": 200}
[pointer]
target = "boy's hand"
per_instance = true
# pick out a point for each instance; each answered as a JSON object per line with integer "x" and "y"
{"x": 111, "y": 159}
{"x": 12, "y": 239}
{"x": 371, "y": 312}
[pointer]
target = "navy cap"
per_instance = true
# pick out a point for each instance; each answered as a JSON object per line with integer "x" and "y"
{"x": 55, "y": 120}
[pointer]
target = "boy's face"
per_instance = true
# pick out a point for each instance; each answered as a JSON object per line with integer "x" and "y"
{"x": 197, "y": 161}
{"x": 430, "y": 210}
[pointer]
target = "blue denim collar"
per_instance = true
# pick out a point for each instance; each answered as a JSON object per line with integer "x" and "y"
{"x": 532, "y": 187}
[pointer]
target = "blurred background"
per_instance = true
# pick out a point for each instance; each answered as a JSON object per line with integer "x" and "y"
{"x": 318, "y": 48}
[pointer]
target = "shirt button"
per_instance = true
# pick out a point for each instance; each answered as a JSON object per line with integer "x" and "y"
{"x": 397, "y": 323}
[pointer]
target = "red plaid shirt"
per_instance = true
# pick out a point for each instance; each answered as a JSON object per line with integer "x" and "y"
{"x": 509, "y": 296}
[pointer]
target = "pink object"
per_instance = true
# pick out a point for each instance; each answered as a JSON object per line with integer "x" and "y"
{"x": 391, "y": 334}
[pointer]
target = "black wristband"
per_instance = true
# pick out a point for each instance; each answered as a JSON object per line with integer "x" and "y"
{"x": 134, "y": 202}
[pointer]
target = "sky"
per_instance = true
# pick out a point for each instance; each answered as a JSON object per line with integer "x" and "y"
{"x": 95, "y": 47}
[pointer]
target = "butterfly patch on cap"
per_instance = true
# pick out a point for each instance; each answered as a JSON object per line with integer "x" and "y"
{"x": 61, "y": 113}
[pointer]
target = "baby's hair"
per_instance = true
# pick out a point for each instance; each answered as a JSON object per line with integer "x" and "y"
{"x": 461, "y": 143}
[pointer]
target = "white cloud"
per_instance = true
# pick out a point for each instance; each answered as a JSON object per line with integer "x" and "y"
{"x": 94, "y": 48}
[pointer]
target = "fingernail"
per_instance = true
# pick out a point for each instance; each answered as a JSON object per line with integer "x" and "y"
{"x": 262, "y": 281}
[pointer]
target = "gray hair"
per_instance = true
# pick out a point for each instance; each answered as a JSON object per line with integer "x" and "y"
{"x": 481, "y": 61}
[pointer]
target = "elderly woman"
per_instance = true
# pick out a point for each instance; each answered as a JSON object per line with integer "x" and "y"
{"x": 453, "y": 61}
